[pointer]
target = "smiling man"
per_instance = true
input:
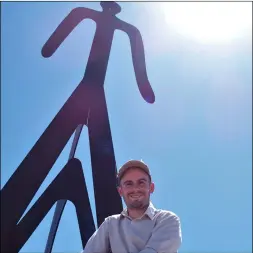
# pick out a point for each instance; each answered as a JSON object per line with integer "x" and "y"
{"x": 140, "y": 228}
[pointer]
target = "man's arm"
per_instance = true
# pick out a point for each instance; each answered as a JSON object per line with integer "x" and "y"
{"x": 99, "y": 241}
{"x": 166, "y": 236}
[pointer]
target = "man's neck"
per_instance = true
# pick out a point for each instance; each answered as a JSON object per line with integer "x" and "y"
{"x": 136, "y": 213}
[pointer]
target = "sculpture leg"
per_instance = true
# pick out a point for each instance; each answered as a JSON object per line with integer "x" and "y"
{"x": 71, "y": 174}
{"x": 40, "y": 159}
{"x": 107, "y": 199}
{"x": 61, "y": 203}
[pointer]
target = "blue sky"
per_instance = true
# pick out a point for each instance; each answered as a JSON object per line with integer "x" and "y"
{"x": 196, "y": 137}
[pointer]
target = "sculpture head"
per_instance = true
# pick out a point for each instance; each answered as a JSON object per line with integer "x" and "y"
{"x": 111, "y": 7}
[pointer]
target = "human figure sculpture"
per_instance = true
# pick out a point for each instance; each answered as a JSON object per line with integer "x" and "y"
{"x": 86, "y": 106}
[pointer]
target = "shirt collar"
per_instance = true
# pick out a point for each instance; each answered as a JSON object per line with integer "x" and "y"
{"x": 150, "y": 212}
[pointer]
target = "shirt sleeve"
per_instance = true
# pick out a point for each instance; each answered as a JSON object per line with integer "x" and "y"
{"x": 166, "y": 236}
{"x": 99, "y": 241}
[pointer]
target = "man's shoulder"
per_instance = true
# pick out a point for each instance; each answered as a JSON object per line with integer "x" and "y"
{"x": 166, "y": 215}
{"x": 113, "y": 218}
{"x": 166, "y": 212}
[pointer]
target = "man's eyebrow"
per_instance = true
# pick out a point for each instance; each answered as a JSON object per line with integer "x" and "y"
{"x": 128, "y": 181}
{"x": 142, "y": 179}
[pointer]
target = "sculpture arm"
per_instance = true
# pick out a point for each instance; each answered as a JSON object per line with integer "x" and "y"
{"x": 65, "y": 28}
{"x": 138, "y": 57}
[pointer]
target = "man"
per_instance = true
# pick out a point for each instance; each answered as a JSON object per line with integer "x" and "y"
{"x": 140, "y": 228}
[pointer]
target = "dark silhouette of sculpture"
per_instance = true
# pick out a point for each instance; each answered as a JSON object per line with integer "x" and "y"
{"x": 86, "y": 106}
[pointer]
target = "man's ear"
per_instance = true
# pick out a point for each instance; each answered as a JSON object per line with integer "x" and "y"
{"x": 152, "y": 187}
{"x": 119, "y": 190}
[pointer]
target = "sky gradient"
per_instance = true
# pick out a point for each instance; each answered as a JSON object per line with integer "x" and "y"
{"x": 196, "y": 137}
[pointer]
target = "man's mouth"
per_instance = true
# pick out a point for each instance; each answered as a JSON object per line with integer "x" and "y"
{"x": 135, "y": 196}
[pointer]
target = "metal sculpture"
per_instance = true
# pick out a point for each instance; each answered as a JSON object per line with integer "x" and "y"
{"x": 86, "y": 106}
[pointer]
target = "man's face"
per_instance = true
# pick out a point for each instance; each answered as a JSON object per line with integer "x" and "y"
{"x": 135, "y": 188}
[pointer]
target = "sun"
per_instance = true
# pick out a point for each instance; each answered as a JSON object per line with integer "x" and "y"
{"x": 209, "y": 22}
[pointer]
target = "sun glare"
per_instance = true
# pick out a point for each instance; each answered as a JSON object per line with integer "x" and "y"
{"x": 209, "y": 22}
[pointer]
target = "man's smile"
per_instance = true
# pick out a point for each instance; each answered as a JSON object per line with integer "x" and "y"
{"x": 135, "y": 196}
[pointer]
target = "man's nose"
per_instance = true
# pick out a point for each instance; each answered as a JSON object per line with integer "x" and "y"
{"x": 136, "y": 187}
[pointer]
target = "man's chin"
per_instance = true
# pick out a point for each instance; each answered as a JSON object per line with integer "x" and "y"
{"x": 136, "y": 204}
